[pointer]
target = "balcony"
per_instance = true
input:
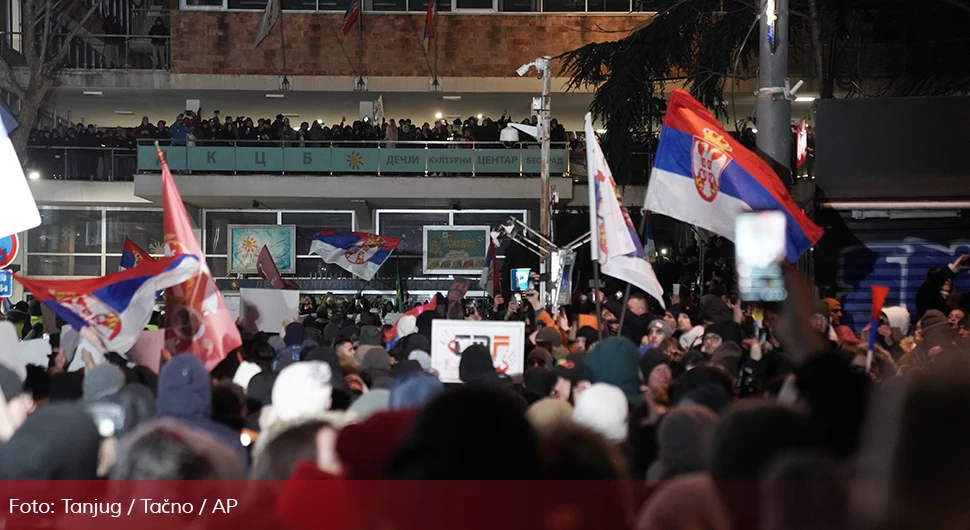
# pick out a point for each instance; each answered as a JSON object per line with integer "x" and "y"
{"x": 360, "y": 157}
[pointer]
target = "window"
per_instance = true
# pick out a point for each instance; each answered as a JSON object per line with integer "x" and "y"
{"x": 63, "y": 265}
{"x": 309, "y": 224}
{"x": 410, "y": 226}
{"x": 217, "y": 222}
{"x": 144, "y": 228}
{"x": 474, "y": 5}
{"x": 203, "y": 4}
{"x": 66, "y": 232}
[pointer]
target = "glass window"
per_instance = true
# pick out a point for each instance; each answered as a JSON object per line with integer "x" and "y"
{"x": 611, "y": 6}
{"x": 563, "y": 6}
{"x": 144, "y": 229}
{"x": 519, "y": 6}
{"x": 387, "y": 5}
{"x": 308, "y": 225}
{"x": 47, "y": 265}
{"x": 332, "y": 5}
{"x": 216, "y": 224}
{"x": 410, "y": 226}
{"x": 316, "y": 267}
{"x": 218, "y": 267}
{"x": 66, "y": 232}
{"x": 422, "y": 6}
{"x": 300, "y": 5}
{"x": 491, "y": 219}
{"x": 475, "y": 5}
{"x": 248, "y": 4}
{"x": 203, "y": 3}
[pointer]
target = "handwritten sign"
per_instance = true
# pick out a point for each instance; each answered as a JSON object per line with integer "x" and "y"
{"x": 504, "y": 340}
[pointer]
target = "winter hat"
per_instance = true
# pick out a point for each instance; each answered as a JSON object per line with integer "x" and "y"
{"x": 377, "y": 365}
{"x": 415, "y": 342}
{"x": 650, "y": 360}
{"x": 614, "y": 361}
{"x": 538, "y": 383}
{"x": 932, "y": 319}
{"x": 370, "y": 403}
{"x": 659, "y": 323}
{"x": 549, "y": 335}
{"x": 689, "y": 337}
{"x": 820, "y": 307}
{"x": 407, "y": 325}
{"x": 541, "y": 355}
{"x": 423, "y": 358}
{"x": 302, "y": 390}
{"x": 604, "y": 409}
{"x": 10, "y": 383}
{"x": 728, "y": 331}
{"x": 832, "y": 303}
{"x": 276, "y": 342}
{"x": 684, "y": 438}
{"x": 898, "y": 317}
{"x": 548, "y": 413}
{"x": 728, "y": 355}
{"x": 245, "y": 373}
{"x": 102, "y": 381}
{"x": 475, "y": 363}
{"x": 370, "y": 335}
{"x": 414, "y": 390}
{"x": 294, "y": 334}
{"x": 714, "y": 310}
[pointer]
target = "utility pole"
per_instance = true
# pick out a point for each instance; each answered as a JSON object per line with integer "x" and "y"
{"x": 773, "y": 106}
{"x": 544, "y": 67}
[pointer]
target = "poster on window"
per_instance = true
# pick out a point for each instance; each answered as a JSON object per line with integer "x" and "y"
{"x": 245, "y": 242}
{"x": 455, "y": 249}
{"x": 505, "y": 341}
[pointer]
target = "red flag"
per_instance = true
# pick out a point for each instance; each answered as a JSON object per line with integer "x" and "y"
{"x": 132, "y": 255}
{"x": 267, "y": 268}
{"x": 353, "y": 11}
{"x": 801, "y": 143}
{"x": 430, "y": 306}
{"x": 878, "y": 299}
{"x": 197, "y": 320}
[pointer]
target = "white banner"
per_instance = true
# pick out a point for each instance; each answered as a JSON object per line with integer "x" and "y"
{"x": 504, "y": 340}
{"x": 267, "y": 309}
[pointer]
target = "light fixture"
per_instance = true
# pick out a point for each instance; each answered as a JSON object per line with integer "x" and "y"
{"x": 600, "y": 131}
{"x": 124, "y": 112}
{"x": 804, "y": 99}
{"x": 33, "y": 175}
{"x": 291, "y": 115}
{"x": 320, "y": 122}
{"x": 664, "y": 251}
{"x": 437, "y": 115}
{"x": 93, "y": 93}
{"x": 275, "y": 96}
{"x": 451, "y": 98}
{"x": 479, "y": 116}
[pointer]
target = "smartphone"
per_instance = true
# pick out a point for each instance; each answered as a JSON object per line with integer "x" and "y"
{"x": 759, "y": 242}
{"x": 522, "y": 280}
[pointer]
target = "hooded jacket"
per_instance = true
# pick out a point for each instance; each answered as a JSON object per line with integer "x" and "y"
{"x": 615, "y": 361}
{"x": 185, "y": 393}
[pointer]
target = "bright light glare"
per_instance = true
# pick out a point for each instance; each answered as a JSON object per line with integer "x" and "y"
{"x": 664, "y": 251}
{"x": 437, "y": 115}
{"x": 33, "y": 175}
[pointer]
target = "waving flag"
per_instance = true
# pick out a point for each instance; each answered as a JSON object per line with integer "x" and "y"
{"x": 704, "y": 177}
{"x": 429, "y": 23}
{"x": 132, "y": 256}
{"x": 490, "y": 281}
{"x": 879, "y": 293}
{"x": 115, "y": 307}
{"x": 390, "y": 336}
{"x": 358, "y": 252}
{"x": 353, "y": 11}
{"x": 196, "y": 318}
{"x": 649, "y": 245}
{"x": 19, "y": 209}
{"x": 616, "y": 244}
{"x": 268, "y": 270}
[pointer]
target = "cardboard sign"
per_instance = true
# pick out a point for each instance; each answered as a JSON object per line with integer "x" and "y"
{"x": 232, "y": 305}
{"x": 267, "y": 309}
{"x": 11, "y": 351}
{"x": 505, "y": 341}
{"x": 455, "y": 295}
{"x": 37, "y": 351}
{"x": 147, "y": 351}
{"x": 85, "y": 344}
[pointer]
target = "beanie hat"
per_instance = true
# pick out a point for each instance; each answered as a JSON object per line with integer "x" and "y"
{"x": 475, "y": 362}
{"x": 302, "y": 390}
{"x": 370, "y": 403}
{"x": 422, "y": 357}
{"x": 820, "y": 308}
{"x": 660, "y": 324}
{"x": 294, "y": 334}
{"x": 832, "y": 303}
{"x": 245, "y": 373}
{"x": 371, "y": 336}
{"x": 543, "y": 356}
{"x": 414, "y": 390}
{"x": 603, "y": 408}
{"x": 407, "y": 325}
{"x": 684, "y": 439}
{"x": 549, "y": 335}
{"x": 932, "y": 319}
{"x": 549, "y": 413}
{"x": 102, "y": 381}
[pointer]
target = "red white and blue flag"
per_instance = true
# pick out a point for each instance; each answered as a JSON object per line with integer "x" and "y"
{"x": 429, "y": 23}
{"x": 115, "y": 307}
{"x": 704, "y": 177}
{"x": 358, "y": 252}
{"x": 353, "y": 11}
{"x": 490, "y": 281}
{"x": 132, "y": 256}
{"x": 615, "y": 244}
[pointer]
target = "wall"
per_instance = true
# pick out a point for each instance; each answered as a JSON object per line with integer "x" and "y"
{"x": 210, "y": 42}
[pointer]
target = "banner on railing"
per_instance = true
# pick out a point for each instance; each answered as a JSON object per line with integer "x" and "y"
{"x": 398, "y": 160}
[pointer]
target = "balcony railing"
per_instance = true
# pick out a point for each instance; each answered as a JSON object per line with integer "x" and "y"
{"x": 369, "y": 157}
{"x": 99, "y": 52}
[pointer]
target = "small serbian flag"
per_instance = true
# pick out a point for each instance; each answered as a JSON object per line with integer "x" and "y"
{"x": 353, "y": 11}
{"x": 132, "y": 256}
{"x": 429, "y": 23}
{"x": 704, "y": 177}
{"x": 358, "y": 252}
{"x": 115, "y": 307}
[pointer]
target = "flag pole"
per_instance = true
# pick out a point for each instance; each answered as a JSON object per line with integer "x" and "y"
{"x": 626, "y": 292}
{"x": 599, "y": 303}
{"x": 360, "y": 39}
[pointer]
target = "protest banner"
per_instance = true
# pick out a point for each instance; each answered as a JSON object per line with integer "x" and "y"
{"x": 147, "y": 351}
{"x": 37, "y": 352}
{"x": 504, "y": 340}
{"x": 267, "y": 309}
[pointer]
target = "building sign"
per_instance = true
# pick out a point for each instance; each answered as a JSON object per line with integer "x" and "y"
{"x": 246, "y": 241}
{"x": 455, "y": 249}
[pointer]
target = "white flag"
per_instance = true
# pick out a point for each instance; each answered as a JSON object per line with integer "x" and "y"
{"x": 379, "y": 110}
{"x": 270, "y": 16}
{"x": 615, "y": 242}
{"x": 19, "y": 209}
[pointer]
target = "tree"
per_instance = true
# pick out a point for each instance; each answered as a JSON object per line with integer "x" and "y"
{"x": 42, "y": 54}
{"x": 853, "y": 48}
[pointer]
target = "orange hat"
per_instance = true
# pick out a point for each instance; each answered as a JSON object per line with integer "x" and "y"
{"x": 832, "y": 303}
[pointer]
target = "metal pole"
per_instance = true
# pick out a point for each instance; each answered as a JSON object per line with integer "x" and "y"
{"x": 626, "y": 292}
{"x": 772, "y": 108}
{"x": 596, "y": 295}
{"x": 543, "y": 64}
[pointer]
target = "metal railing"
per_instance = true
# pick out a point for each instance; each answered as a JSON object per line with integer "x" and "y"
{"x": 103, "y": 52}
{"x": 82, "y": 163}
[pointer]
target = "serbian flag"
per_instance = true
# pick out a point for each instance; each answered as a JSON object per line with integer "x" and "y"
{"x": 616, "y": 244}
{"x": 267, "y": 269}
{"x": 353, "y": 11}
{"x": 132, "y": 256}
{"x": 429, "y": 23}
{"x": 490, "y": 281}
{"x": 196, "y": 318}
{"x": 115, "y": 307}
{"x": 358, "y": 252}
{"x": 704, "y": 177}
{"x": 390, "y": 336}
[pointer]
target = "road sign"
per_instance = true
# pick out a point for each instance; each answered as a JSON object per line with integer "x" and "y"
{"x": 6, "y": 284}
{"x": 9, "y": 246}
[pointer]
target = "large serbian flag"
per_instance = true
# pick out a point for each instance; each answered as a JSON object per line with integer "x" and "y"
{"x": 358, "y": 252}
{"x": 132, "y": 255}
{"x": 704, "y": 177}
{"x": 115, "y": 307}
{"x": 196, "y": 318}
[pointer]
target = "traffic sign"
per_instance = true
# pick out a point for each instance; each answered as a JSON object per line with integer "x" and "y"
{"x": 9, "y": 246}
{"x": 6, "y": 284}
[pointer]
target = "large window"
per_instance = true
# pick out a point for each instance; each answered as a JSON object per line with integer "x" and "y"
{"x": 444, "y": 6}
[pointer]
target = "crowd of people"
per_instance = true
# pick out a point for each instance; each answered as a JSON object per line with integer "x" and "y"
{"x": 737, "y": 415}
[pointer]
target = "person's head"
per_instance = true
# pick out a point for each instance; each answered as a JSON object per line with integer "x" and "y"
{"x": 656, "y": 372}
{"x": 184, "y": 389}
{"x": 604, "y": 409}
{"x": 158, "y": 21}
{"x": 57, "y": 442}
{"x": 476, "y": 363}
{"x": 683, "y": 440}
{"x": 414, "y": 390}
{"x": 614, "y": 361}
{"x": 820, "y": 317}
{"x": 835, "y": 310}
{"x": 302, "y": 390}
{"x": 166, "y": 449}
{"x": 102, "y": 381}
{"x": 637, "y": 304}
{"x": 957, "y": 318}
{"x": 683, "y": 322}
{"x": 278, "y": 458}
{"x": 344, "y": 348}
{"x": 712, "y": 341}
{"x": 657, "y": 332}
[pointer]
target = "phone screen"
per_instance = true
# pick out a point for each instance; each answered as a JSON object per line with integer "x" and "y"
{"x": 759, "y": 241}
{"x": 521, "y": 280}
